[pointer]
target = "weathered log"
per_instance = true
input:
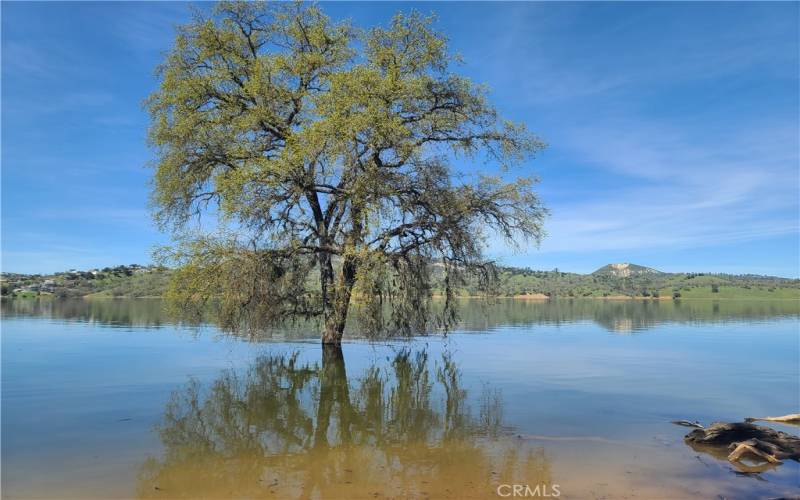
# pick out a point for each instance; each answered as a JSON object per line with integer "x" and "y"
{"x": 792, "y": 418}
{"x": 687, "y": 423}
{"x": 754, "y": 447}
{"x": 745, "y": 439}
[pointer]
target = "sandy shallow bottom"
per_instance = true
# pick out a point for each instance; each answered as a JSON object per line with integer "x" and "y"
{"x": 488, "y": 468}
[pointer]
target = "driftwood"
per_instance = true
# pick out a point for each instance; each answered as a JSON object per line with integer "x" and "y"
{"x": 686, "y": 423}
{"x": 736, "y": 441}
{"x": 793, "y": 419}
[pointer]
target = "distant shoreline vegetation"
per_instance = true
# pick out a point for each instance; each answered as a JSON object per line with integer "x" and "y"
{"x": 614, "y": 281}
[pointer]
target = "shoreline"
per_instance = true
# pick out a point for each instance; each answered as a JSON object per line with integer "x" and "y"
{"x": 526, "y": 298}
{"x": 621, "y": 298}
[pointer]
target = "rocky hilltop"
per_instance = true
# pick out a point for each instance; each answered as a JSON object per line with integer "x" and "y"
{"x": 625, "y": 270}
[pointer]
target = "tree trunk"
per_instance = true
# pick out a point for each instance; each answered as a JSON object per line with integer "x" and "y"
{"x": 331, "y": 335}
{"x": 336, "y": 314}
{"x": 326, "y": 278}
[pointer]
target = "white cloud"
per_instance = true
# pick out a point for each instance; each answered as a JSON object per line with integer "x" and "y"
{"x": 675, "y": 189}
{"x": 642, "y": 117}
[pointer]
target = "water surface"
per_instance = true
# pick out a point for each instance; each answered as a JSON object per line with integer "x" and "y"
{"x": 113, "y": 399}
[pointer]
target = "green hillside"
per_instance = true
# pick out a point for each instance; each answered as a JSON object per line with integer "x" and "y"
{"x": 643, "y": 282}
{"x": 120, "y": 281}
{"x": 611, "y": 281}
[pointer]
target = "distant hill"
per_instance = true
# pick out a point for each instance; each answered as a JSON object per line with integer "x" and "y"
{"x": 624, "y": 270}
{"x": 633, "y": 280}
{"x": 610, "y": 281}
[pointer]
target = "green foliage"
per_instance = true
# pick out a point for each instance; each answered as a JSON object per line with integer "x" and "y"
{"x": 150, "y": 284}
{"x": 244, "y": 287}
{"x": 325, "y": 153}
{"x": 520, "y": 281}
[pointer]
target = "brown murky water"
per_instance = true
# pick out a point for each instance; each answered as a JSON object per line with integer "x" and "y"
{"x": 111, "y": 400}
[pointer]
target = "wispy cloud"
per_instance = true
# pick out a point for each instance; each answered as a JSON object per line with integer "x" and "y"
{"x": 612, "y": 58}
{"x": 83, "y": 101}
{"x": 148, "y": 30}
{"x": 98, "y": 215}
{"x": 688, "y": 192}
{"x": 20, "y": 59}
{"x": 673, "y": 163}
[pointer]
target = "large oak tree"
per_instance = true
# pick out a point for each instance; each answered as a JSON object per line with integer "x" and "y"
{"x": 325, "y": 156}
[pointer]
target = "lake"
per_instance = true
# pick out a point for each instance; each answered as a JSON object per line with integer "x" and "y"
{"x": 114, "y": 399}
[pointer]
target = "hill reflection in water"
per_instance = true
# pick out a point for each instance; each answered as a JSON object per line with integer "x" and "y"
{"x": 618, "y": 316}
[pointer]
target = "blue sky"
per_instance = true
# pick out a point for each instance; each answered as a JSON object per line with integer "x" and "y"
{"x": 672, "y": 128}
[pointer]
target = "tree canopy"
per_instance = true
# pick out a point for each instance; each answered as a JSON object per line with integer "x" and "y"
{"x": 326, "y": 158}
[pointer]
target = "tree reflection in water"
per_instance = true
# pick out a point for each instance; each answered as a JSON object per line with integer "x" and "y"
{"x": 288, "y": 429}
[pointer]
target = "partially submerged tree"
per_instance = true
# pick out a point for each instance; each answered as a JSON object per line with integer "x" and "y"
{"x": 326, "y": 157}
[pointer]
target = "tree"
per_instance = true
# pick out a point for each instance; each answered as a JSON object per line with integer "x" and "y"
{"x": 325, "y": 155}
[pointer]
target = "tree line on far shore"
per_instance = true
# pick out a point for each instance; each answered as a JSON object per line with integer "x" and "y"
{"x": 151, "y": 281}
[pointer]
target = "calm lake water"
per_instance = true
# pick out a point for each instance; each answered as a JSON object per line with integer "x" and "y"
{"x": 111, "y": 399}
